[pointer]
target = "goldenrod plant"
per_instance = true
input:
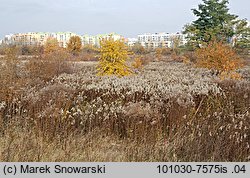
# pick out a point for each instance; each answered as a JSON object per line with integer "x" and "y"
{"x": 112, "y": 61}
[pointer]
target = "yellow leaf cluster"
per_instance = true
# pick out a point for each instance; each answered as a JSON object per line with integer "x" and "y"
{"x": 219, "y": 57}
{"x": 112, "y": 61}
{"x": 51, "y": 46}
{"x": 186, "y": 60}
{"x": 158, "y": 52}
{"x": 138, "y": 63}
{"x": 75, "y": 44}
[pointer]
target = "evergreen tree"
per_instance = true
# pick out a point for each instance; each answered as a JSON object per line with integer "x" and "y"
{"x": 242, "y": 39}
{"x": 214, "y": 23}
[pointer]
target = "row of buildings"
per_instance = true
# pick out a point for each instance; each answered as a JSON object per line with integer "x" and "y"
{"x": 146, "y": 40}
{"x": 159, "y": 40}
{"x": 40, "y": 38}
{"x": 37, "y": 38}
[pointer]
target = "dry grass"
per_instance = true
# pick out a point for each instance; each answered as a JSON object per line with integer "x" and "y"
{"x": 92, "y": 147}
{"x": 168, "y": 112}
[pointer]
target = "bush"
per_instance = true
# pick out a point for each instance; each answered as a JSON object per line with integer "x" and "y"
{"x": 90, "y": 49}
{"x": 219, "y": 57}
{"x": 158, "y": 53}
{"x": 112, "y": 61}
{"x": 190, "y": 56}
{"x": 137, "y": 63}
{"x": 138, "y": 49}
{"x": 10, "y": 78}
{"x": 53, "y": 64}
{"x": 51, "y": 45}
{"x": 75, "y": 44}
{"x": 14, "y": 49}
{"x": 31, "y": 50}
{"x": 89, "y": 53}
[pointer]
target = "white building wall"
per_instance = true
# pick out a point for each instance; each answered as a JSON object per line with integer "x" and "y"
{"x": 132, "y": 41}
{"x": 159, "y": 40}
{"x": 95, "y": 40}
{"x": 38, "y": 38}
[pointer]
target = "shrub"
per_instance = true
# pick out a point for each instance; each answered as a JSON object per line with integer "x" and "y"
{"x": 179, "y": 58}
{"x": 87, "y": 48}
{"x": 166, "y": 51}
{"x": 10, "y": 78}
{"x": 137, "y": 63}
{"x": 53, "y": 64}
{"x": 219, "y": 57}
{"x": 138, "y": 49}
{"x": 158, "y": 53}
{"x": 190, "y": 57}
{"x": 163, "y": 52}
{"x": 51, "y": 45}
{"x": 84, "y": 56}
{"x": 31, "y": 50}
{"x": 89, "y": 53}
{"x": 112, "y": 61}
{"x": 11, "y": 49}
{"x": 75, "y": 44}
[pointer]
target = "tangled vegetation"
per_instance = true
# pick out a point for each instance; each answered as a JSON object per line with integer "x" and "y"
{"x": 184, "y": 114}
{"x": 53, "y": 107}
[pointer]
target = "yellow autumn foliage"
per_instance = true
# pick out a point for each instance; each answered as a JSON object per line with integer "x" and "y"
{"x": 221, "y": 58}
{"x": 51, "y": 46}
{"x": 113, "y": 57}
{"x": 158, "y": 52}
{"x": 74, "y": 45}
{"x": 137, "y": 64}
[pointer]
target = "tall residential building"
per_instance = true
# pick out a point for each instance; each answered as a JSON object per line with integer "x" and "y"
{"x": 95, "y": 40}
{"x": 157, "y": 40}
{"x": 63, "y": 38}
{"x": 131, "y": 41}
{"x": 7, "y": 39}
{"x": 37, "y": 38}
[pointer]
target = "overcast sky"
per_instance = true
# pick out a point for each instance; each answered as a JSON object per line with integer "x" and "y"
{"x": 126, "y": 17}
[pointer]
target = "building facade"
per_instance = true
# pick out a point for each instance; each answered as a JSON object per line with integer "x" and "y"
{"x": 161, "y": 40}
{"x": 96, "y": 40}
{"x": 147, "y": 40}
{"x": 131, "y": 41}
{"x": 37, "y": 38}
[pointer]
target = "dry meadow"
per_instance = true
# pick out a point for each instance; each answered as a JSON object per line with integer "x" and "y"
{"x": 57, "y": 110}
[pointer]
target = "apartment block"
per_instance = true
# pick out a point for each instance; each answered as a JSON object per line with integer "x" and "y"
{"x": 95, "y": 40}
{"x": 157, "y": 40}
{"x": 131, "y": 41}
{"x": 37, "y": 38}
{"x": 63, "y": 38}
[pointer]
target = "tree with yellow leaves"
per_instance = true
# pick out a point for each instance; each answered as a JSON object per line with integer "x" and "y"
{"x": 112, "y": 61}
{"x": 75, "y": 45}
{"x": 51, "y": 46}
